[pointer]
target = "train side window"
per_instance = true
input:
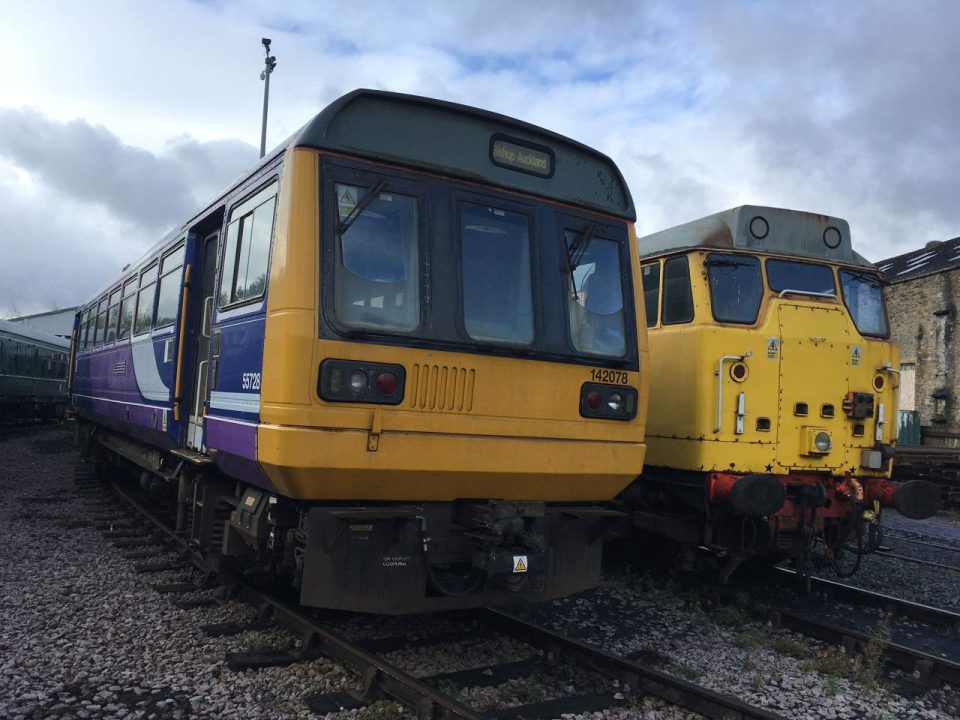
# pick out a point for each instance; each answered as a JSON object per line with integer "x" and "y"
{"x": 651, "y": 291}
{"x": 677, "y": 295}
{"x": 246, "y": 254}
{"x": 16, "y": 356}
{"x": 595, "y": 299}
{"x": 82, "y": 332}
{"x": 101, "y": 321}
{"x": 113, "y": 312}
{"x": 496, "y": 274}
{"x": 735, "y": 287}
{"x": 126, "y": 308}
{"x": 145, "y": 298}
{"x": 168, "y": 296}
{"x": 376, "y": 276}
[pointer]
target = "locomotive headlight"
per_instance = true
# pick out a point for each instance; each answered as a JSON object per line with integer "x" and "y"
{"x": 615, "y": 401}
{"x": 358, "y": 382}
{"x": 821, "y": 442}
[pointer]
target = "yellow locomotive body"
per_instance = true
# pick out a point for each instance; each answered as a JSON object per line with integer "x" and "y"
{"x": 773, "y": 388}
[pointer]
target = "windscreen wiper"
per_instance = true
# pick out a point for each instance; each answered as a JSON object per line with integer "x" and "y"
{"x": 351, "y": 217}
{"x": 576, "y": 251}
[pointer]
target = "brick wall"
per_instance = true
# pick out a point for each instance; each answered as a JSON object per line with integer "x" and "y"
{"x": 923, "y": 321}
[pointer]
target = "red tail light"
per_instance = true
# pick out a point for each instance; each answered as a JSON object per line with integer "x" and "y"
{"x": 386, "y": 383}
{"x": 594, "y": 400}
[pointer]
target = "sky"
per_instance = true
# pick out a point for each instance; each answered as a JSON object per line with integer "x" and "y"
{"x": 119, "y": 119}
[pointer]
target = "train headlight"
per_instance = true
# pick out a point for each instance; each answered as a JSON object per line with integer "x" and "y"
{"x": 615, "y": 402}
{"x": 821, "y": 442}
{"x": 358, "y": 382}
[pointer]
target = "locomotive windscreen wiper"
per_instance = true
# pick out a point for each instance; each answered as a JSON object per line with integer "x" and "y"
{"x": 579, "y": 247}
{"x": 358, "y": 209}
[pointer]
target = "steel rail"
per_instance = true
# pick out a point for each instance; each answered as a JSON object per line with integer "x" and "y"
{"x": 924, "y": 666}
{"x": 378, "y": 675}
{"x": 888, "y": 603}
{"x": 639, "y": 677}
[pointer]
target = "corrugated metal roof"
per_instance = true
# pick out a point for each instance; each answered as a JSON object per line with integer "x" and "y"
{"x": 925, "y": 261}
{"x": 28, "y": 333}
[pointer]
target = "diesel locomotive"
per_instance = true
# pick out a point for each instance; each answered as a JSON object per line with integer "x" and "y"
{"x": 33, "y": 374}
{"x": 773, "y": 393}
{"x": 396, "y": 366}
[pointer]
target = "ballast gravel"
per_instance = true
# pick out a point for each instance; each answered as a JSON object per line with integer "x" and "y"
{"x": 83, "y": 635}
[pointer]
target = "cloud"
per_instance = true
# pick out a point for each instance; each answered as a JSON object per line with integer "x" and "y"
{"x": 88, "y": 163}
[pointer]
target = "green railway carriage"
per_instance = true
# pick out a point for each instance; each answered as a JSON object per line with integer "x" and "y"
{"x": 33, "y": 373}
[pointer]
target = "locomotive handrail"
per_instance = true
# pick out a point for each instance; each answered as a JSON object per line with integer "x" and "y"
{"x": 724, "y": 359}
{"x": 183, "y": 324}
{"x": 791, "y": 291}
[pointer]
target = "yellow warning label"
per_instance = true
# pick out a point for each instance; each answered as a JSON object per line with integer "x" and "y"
{"x": 347, "y": 196}
{"x": 855, "y": 354}
{"x": 773, "y": 348}
{"x": 519, "y": 563}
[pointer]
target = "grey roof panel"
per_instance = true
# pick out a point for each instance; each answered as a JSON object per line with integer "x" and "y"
{"x": 457, "y": 140}
{"x": 762, "y": 229}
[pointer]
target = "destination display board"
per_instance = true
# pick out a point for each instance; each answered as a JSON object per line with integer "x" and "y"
{"x": 509, "y": 153}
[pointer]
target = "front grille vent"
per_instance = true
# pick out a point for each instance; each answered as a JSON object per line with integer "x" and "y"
{"x": 441, "y": 387}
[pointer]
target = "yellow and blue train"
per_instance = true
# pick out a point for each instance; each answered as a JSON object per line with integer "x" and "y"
{"x": 397, "y": 364}
{"x": 773, "y": 407}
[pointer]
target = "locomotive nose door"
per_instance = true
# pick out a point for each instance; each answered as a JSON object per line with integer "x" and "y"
{"x": 197, "y": 403}
{"x": 813, "y": 383}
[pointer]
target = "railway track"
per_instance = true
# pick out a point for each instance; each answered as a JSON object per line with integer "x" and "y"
{"x": 927, "y": 669}
{"x": 142, "y": 532}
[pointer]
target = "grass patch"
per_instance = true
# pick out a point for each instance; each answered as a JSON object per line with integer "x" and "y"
{"x": 786, "y": 645}
{"x": 730, "y": 616}
{"x": 687, "y": 672}
{"x": 449, "y": 688}
{"x": 752, "y": 637}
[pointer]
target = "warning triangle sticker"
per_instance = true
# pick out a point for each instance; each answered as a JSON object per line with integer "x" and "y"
{"x": 519, "y": 563}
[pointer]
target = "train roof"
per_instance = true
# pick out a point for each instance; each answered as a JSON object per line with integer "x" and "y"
{"x": 448, "y": 138}
{"x": 933, "y": 258}
{"x": 471, "y": 143}
{"x": 12, "y": 328}
{"x": 761, "y": 229}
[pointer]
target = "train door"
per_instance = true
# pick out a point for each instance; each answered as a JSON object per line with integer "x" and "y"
{"x": 198, "y": 397}
{"x": 813, "y": 347}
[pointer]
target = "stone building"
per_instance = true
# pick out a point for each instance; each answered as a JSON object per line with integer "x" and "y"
{"x": 922, "y": 298}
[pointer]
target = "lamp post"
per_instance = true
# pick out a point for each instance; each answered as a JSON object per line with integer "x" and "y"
{"x": 271, "y": 63}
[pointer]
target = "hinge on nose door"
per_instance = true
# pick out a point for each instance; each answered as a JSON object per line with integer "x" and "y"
{"x": 376, "y": 425}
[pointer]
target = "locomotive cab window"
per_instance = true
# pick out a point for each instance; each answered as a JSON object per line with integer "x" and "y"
{"x": 651, "y": 291}
{"x": 863, "y": 296}
{"x": 376, "y": 276}
{"x": 677, "y": 294}
{"x": 246, "y": 254}
{"x": 496, "y": 274}
{"x": 735, "y": 287}
{"x": 595, "y": 300}
{"x": 168, "y": 296}
{"x": 800, "y": 276}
